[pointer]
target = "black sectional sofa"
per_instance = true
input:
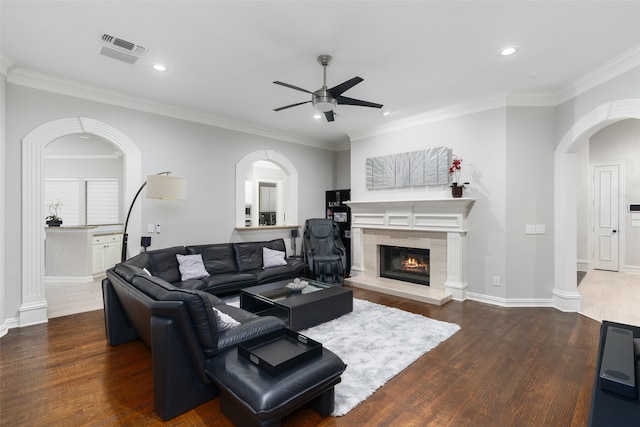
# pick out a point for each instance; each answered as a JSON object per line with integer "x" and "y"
{"x": 178, "y": 322}
{"x": 231, "y": 266}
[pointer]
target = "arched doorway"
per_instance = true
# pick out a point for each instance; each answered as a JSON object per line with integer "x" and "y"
{"x": 565, "y": 292}
{"x": 33, "y": 307}
{"x": 291, "y": 184}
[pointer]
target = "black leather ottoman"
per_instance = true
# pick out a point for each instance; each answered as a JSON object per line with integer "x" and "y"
{"x": 251, "y": 397}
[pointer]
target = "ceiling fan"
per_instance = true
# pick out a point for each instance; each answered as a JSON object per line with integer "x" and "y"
{"x": 324, "y": 99}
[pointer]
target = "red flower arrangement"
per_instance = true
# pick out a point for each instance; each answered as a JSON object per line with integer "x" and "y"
{"x": 454, "y": 170}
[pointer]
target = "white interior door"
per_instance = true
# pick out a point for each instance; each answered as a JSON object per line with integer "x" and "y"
{"x": 606, "y": 187}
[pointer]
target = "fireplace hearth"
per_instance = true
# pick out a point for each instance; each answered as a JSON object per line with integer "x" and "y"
{"x": 405, "y": 264}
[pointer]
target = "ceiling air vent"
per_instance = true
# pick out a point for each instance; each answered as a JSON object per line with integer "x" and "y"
{"x": 121, "y": 49}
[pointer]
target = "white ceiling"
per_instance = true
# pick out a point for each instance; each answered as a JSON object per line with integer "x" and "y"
{"x": 224, "y": 55}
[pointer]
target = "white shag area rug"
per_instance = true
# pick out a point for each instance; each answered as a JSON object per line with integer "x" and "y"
{"x": 376, "y": 342}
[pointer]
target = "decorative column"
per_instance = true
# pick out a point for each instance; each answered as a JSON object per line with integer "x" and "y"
{"x": 33, "y": 308}
{"x": 456, "y": 282}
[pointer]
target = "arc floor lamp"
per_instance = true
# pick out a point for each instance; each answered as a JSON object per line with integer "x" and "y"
{"x": 160, "y": 186}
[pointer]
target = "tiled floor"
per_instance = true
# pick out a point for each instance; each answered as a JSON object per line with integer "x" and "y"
{"x": 611, "y": 296}
{"x": 605, "y": 296}
{"x": 64, "y": 299}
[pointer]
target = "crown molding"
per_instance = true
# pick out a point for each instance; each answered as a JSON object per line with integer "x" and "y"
{"x": 83, "y": 156}
{"x": 602, "y": 74}
{"x": 35, "y": 80}
{"x": 433, "y": 116}
{"x": 617, "y": 66}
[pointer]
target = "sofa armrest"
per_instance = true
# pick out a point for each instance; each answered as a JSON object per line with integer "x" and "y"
{"x": 117, "y": 326}
{"x": 247, "y": 330}
{"x": 177, "y": 385}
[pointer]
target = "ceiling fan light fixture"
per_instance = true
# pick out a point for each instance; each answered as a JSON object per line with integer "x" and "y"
{"x": 323, "y": 101}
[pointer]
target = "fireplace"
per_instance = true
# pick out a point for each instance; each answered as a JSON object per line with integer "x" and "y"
{"x": 405, "y": 264}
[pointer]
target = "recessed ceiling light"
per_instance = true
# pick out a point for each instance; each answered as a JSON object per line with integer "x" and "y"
{"x": 317, "y": 116}
{"x": 510, "y": 50}
{"x": 159, "y": 67}
{"x": 386, "y": 113}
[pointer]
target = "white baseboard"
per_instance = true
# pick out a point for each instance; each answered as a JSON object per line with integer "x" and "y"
{"x": 68, "y": 279}
{"x": 631, "y": 269}
{"x": 510, "y": 302}
{"x": 584, "y": 265}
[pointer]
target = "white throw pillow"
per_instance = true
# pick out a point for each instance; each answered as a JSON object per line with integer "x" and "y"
{"x": 224, "y": 320}
{"x": 272, "y": 258}
{"x": 191, "y": 267}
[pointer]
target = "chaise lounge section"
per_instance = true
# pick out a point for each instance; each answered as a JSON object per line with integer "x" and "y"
{"x": 191, "y": 332}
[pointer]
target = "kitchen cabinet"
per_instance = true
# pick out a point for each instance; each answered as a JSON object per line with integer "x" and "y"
{"x": 106, "y": 252}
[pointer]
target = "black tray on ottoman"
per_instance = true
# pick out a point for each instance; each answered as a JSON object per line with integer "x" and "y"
{"x": 279, "y": 351}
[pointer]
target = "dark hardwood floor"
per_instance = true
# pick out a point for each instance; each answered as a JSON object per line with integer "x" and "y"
{"x": 505, "y": 367}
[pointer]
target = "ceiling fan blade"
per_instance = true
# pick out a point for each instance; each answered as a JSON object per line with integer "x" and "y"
{"x": 343, "y": 100}
{"x": 292, "y": 87}
{"x": 345, "y": 86}
{"x": 329, "y": 115}
{"x": 292, "y": 105}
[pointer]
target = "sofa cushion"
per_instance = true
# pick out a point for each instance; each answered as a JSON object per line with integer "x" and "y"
{"x": 199, "y": 305}
{"x": 235, "y": 279}
{"x": 249, "y": 254}
{"x": 128, "y": 271}
{"x": 218, "y": 258}
{"x": 192, "y": 284}
{"x": 141, "y": 260}
{"x": 276, "y": 245}
{"x": 291, "y": 270}
{"x": 191, "y": 267}
{"x": 164, "y": 264}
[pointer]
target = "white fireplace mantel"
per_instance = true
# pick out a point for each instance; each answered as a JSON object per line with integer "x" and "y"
{"x": 427, "y": 215}
{"x": 447, "y": 216}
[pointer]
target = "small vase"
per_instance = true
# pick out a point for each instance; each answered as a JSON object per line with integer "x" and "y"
{"x": 456, "y": 192}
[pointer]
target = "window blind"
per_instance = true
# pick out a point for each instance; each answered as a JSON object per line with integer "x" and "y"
{"x": 102, "y": 201}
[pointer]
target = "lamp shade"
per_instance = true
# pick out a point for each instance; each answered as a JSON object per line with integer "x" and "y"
{"x": 166, "y": 187}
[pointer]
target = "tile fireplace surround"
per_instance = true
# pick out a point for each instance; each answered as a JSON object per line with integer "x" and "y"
{"x": 439, "y": 225}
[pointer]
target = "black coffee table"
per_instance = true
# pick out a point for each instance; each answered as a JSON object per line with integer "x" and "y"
{"x": 300, "y": 309}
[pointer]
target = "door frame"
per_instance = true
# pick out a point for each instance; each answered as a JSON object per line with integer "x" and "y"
{"x": 591, "y": 216}
{"x": 33, "y": 307}
{"x": 565, "y": 289}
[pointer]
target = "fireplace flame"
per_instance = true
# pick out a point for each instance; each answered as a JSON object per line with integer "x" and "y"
{"x": 413, "y": 264}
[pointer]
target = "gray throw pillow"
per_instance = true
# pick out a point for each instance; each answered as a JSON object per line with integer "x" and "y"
{"x": 191, "y": 267}
{"x": 224, "y": 320}
{"x": 272, "y": 258}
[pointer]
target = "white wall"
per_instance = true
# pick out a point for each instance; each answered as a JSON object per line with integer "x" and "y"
{"x": 204, "y": 155}
{"x": 480, "y": 140}
{"x": 625, "y": 86}
{"x": 343, "y": 170}
{"x": 529, "y": 200}
{"x": 620, "y": 142}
